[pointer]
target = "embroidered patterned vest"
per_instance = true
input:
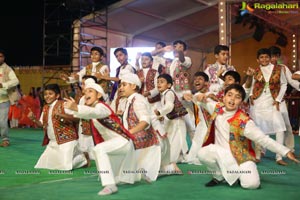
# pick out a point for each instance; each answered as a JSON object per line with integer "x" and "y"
{"x": 86, "y": 127}
{"x": 240, "y": 146}
{"x": 220, "y": 95}
{"x": 179, "y": 110}
{"x": 144, "y": 138}
{"x": 212, "y": 70}
{"x": 260, "y": 83}
{"x": 104, "y": 83}
{"x": 149, "y": 84}
{"x": 113, "y": 123}
{"x": 181, "y": 77}
{"x": 64, "y": 132}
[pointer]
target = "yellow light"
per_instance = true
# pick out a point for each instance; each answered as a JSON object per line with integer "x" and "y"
{"x": 222, "y": 17}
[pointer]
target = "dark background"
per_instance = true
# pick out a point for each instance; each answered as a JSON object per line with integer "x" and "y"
{"x": 21, "y": 32}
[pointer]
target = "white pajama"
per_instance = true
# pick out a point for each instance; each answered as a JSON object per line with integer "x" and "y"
{"x": 114, "y": 157}
{"x": 218, "y": 156}
{"x": 65, "y": 156}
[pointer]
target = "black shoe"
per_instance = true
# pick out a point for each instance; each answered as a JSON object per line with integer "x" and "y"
{"x": 213, "y": 183}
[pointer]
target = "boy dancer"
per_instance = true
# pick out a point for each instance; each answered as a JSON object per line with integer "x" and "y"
{"x": 227, "y": 148}
{"x": 171, "y": 113}
{"x": 113, "y": 143}
{"x": 124, "y": 68}
{"x": 200, "y": 115}
{"x": 148, "y": 77}
{"x": 288, "y": 134}
{"x": 266, "y": 93}
{"x": 137, "y": 119}
{"x": 96, "y": 68}
{"x": 217, "y": 70}
{"x": 62, "y": 151}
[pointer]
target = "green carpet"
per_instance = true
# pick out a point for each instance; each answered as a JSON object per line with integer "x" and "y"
{"x": 19, "y": 180}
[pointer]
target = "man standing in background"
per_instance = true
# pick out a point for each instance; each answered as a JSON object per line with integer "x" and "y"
{"x": 8, "y": 83}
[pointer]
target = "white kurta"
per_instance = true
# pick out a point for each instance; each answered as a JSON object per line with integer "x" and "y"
{"x": 263, "y": 112}
{"x": 114, "y": 157}
{"x": 148, "y": 159}
{"x": 200, "y": 133}
{"x": 218, "y": 156}
{"x": 86, "y": 143}
{"x": 158, "y": 60}
{"x": 65, "y": 156}
{"x": 82, "y": 72}
{"x": 215, "y": 83}
{"x": 175, "y": 128}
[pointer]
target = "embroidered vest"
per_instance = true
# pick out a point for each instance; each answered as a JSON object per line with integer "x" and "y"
{"x": 181, "y": 78}
{"x": 220, "y": 95}
{"x": 144, "y": 138}
{"x": 86, "y": 127}
{"x": 260, "y": 83}
{"x": 179, "y": 110}
{"x": 149, "y": 84}
{"x": 240, "y": 146}
{"x": 113, "y": 123}
{"x": 212, "y": 70}
{"x": 64, "y": 132}
{"x": 105, "y": 84}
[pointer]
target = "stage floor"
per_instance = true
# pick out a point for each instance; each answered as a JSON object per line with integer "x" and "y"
{"x": 19, "y": 179}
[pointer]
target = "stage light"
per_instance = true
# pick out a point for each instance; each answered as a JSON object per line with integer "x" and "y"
{"x": 294, "y": 51}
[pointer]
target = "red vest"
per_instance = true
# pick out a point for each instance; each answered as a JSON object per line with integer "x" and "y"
{"x": 274, "y": 82}
{"x": 143, "y": 138}
{"x": 86, "y": 127}
{"x": 64, "y": 132}
{"x": 240, "y": 146}
{"x": 149, "y": 83}
{"x": 178, "y": 110}
{"x": 112, "y": 122}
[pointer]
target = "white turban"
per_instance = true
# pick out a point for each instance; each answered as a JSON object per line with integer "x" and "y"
{"x": 96, "y": 87}
{"x": 89, "y": 80}
{"x": 131, "y": 78}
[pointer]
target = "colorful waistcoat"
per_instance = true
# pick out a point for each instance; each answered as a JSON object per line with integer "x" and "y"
{"x": 86, "y": 127}
{"x": 179, "y": 110}
{"x": 240, "y": 146}
{"x": 220, "y": 95}
{"x": 143, "y": 138}
{"x": 64, "y": 132}
{"x": 148, "y": 83}
{"x": 260, "y": 82}
{"x": 213, "y": 71}
{"x": 181, "y": 77}
{"x": 113, "y": 123}
{"x": 104, "y": 83}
